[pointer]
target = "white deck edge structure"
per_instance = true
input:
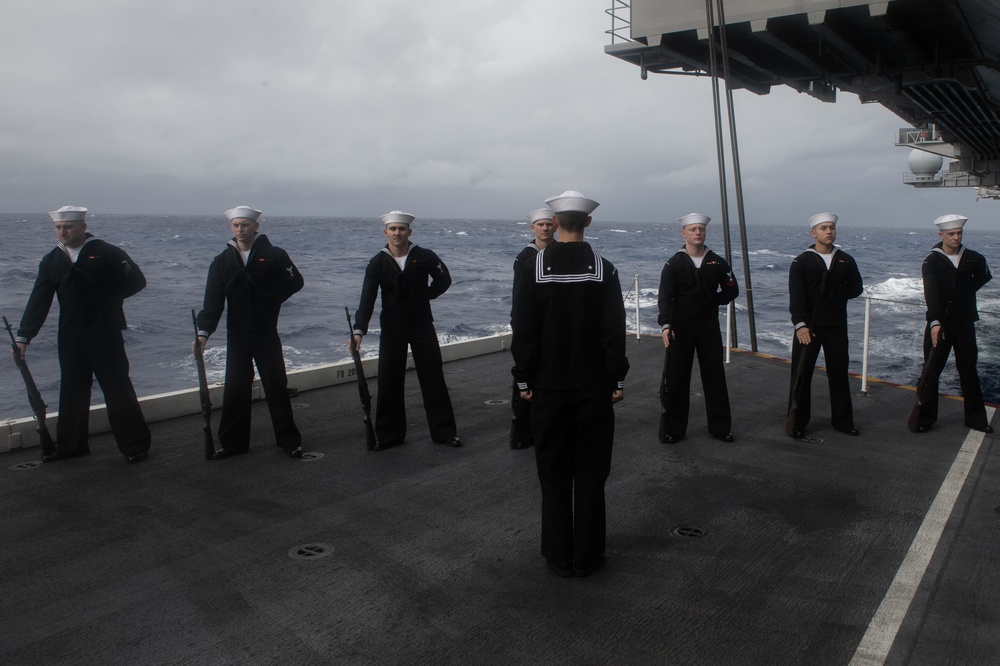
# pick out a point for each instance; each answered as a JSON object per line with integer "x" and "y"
{"x": 881, "y": 634}
{"x": 16, "y": 434}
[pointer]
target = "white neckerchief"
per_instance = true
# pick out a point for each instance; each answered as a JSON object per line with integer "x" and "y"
{"x": 74, "y": 253}
{"x": 246, "y": 256}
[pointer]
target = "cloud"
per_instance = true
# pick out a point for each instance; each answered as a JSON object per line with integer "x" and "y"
{"x": 467, "y": 108}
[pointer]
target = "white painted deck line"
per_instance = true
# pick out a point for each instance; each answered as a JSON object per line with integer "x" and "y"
{"x": 877, "y": 641}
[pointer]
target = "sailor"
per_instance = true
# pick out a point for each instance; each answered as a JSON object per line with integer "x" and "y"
{"x": 91, "y": 279}
{"x": 820, "y": 282}
{"x": 543, "y": 228}
{"x": 250, "y": 279}
{"x": 693, "y": 284}
{"x": 569, "y": 362}
{"x": 952, "y": 275}
{"x": 410, "y": 277}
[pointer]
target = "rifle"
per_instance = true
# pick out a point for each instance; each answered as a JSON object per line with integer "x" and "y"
{"x": 793, "y": 406}
{"x": 664, "y": 396}
{"x": 914, "y": 421}
{"x": 34, "y": 396}
{"x": 366, "y": 397}
{"x": 206, "y": 401}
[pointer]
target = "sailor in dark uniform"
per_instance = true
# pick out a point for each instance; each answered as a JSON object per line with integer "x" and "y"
{"x": 543, "y": 228}
{"x": 250, "y": 279}
{"x": 91, "y": 279}
{"x": 820, "y": 282}
{"x": 952, "y": 275}
{"x": 569, "y": 361}
{"x": 693, "y": 284}
{"x": 410, "y": 277}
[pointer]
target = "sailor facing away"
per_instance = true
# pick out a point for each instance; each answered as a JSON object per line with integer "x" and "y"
{"x": 569, "y": 362}
{"x": 543, "y": 228}
{"x": 91, "y": 279}
{"x": 693, "y": 284}
{"x": 820, "y": 282}
{"x": 952, "y": 275}
{"x": 250, "y": 279}
{"x": 409, "y": 277}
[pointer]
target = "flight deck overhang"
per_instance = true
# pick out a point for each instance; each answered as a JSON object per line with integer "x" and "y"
{"x": 931, "y": 62}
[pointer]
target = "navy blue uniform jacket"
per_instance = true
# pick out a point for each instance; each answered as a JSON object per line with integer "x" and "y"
{"x": 254, "y": 293}
{"x": 90, "y": 291}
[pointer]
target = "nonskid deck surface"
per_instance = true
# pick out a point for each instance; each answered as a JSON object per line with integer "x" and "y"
{"x": 432, "y": 552}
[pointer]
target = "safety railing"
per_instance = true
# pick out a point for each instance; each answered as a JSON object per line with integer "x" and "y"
{"x": 730, "y": 312}
{"x": 621, "y": 21}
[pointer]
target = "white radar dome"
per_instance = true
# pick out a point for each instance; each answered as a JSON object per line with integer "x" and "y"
{"x": 923, "y": 164}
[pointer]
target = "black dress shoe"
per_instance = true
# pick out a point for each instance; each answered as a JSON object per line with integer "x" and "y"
{"x": 136, "y": 458}
{"x": 853, "y": 432}
{"x": 560, "y": 569}
{"x": 63, "y": 455}
{"x": 584, "y": 569}
{"x": 222, "y": 454}
{"x": 671, "y": 439}
{"x": 382, "y": 446}
{"x": 452, "y": 441}
{"x": 728, "y": 437}
{"x": 798, "y": 434}
{"x": 294, "y": 453}
{"x": 522, "y": 445}
{"x": 922, "y": 428}
{"x": 988, "y": 430}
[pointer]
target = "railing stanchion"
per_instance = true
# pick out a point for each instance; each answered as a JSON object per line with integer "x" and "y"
{"x": 729, "y": 331}
{"x": 864, "y": 357}
{"x": 638, "y": 326}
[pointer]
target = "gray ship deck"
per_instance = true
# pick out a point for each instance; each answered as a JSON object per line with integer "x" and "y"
{"x": 435, "y": 550}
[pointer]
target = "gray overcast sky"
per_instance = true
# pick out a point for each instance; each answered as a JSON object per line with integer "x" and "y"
{"x": 443, "y": 108}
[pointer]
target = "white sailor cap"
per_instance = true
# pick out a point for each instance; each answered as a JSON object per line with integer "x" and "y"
{"x": 820, "y": 218}
{"x": 540, "y": 214}
{"x": 693, "y": 218}
{"x": 397, "y": 217}
{"x": 69, "y": 214}
{"x": 948, "y": 222}
{"x": 243, "y": 211}
{"x": 571, "y": 201}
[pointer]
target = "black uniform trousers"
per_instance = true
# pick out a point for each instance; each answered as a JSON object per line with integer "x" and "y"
{"x": 704, "y": 338}
{"x": 81, "y": 359}
{"x": 390, "y": 406}
{"x": 961, "y": 338}
{"x": 243, "y": 349}
{"x": 574, "y": 435}
{"x": 833, "y": 340}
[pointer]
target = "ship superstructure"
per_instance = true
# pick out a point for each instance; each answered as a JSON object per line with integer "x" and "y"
{"x": 934, "y": 63}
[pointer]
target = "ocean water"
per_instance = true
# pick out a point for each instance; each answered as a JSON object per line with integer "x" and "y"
{"x": 174, "y": 253}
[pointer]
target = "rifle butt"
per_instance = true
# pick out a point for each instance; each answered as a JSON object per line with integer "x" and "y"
{"x": 45, "y": 439}
{"x": 664, "y": 395}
